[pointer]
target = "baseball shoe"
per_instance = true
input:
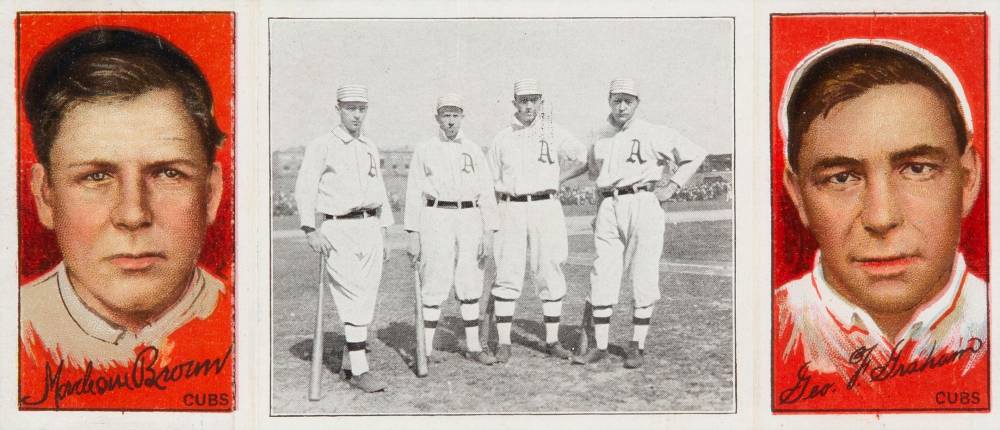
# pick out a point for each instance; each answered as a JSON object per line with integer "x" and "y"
{"x": 481, "y": 357}
{"x": 436, "y": 358}
{"x": 503, "y": 353}
{"x": 592, "y": 356}
{"x": 555, "y": 349}
{"x": 633, "y": 355}
{"x": 346, "y": 374}
{"x": 368, "y": 383}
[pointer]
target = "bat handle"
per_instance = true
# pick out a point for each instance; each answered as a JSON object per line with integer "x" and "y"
{"x": 315, "y": 380}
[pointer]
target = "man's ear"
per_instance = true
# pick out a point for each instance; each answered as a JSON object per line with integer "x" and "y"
{"x": 972, "y": 178}
{"x": 214, "y": 194}
{"x": 791, "y": 181}
{"x": 42, "y": 192}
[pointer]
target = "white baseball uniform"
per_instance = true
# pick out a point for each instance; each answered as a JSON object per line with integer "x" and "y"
{"x": 340, "y": 180}
{"x": 450, "y": 201}
{"x": 628, "y": 229}
{"x": 525, "y": 160}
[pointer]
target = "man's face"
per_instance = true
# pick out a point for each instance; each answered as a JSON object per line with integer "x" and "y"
{"x": 352, "y": 115}
{"x": 883, "y": 188}
{"x": 528, "y": 107}
{"x": 622, "y": 107}
{"x": 129, "y": 192}
{"x": 449, "y": 118}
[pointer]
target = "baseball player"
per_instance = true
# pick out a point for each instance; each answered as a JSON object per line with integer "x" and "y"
{"x": 525, "y": 158}
{"x": 627, "y": 159}
{"x": 451, "y": 215}
{"x": 344, "y": 212}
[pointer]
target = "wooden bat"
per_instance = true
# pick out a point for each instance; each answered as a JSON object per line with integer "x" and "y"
{"x": 315, "y": 377}
{"x": 418, "y": 326}
{"x": 586, "y": 326}
{"x": 486, "y": 323}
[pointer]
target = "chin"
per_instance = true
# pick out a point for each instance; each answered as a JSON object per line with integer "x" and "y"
{"x": 890, "y": 296}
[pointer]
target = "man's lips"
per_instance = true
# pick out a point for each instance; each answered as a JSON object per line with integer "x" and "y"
{"x": 139, "y": 261}
{"x": 885, "y": 266}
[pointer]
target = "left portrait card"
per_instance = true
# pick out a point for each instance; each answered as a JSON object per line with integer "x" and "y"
{"x": 125, "y": 211}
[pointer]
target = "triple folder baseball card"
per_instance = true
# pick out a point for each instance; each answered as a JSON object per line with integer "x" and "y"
{"x": 769, "y": 214}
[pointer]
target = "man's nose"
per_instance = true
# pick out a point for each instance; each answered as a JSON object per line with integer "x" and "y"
{"x": 131, "y": 209}
{"x": 880, "y": 211}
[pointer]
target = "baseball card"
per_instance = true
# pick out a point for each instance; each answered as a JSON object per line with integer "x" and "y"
{"x": 125, "y": 211}
{"x": 880, "y": 194}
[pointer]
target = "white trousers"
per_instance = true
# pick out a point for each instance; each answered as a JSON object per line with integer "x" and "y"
{"x": 355, "y": 264}
{"x": 449, "y": 248}
{"x": 536, "y": 231}
{"x": 628, "y": 235}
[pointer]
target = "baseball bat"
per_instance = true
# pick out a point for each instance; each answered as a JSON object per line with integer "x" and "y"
{"x": 418, "y": 326}
{"x": 586, "y": 325}
{"x": 315, "y": 377}
{"x": 486, "y": 323}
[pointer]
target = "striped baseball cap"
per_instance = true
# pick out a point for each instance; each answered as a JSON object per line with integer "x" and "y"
{"x": 450, "y": 99}
{"x": 352, "y": 93}
{"x": 526, "y": 87}
{"x": 624, "y": 86}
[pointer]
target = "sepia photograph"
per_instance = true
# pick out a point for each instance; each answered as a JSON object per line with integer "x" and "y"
{"x": 499, "y": 216}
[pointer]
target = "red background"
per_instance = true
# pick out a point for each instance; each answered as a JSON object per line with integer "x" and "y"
{"x": 959, "y": 40}
{"x": 208, "y": 39}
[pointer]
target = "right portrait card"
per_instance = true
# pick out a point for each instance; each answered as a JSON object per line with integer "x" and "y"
{"x": 879, "y": 213}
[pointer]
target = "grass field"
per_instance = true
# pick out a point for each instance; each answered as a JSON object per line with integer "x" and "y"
{"x": 689, "y": 352}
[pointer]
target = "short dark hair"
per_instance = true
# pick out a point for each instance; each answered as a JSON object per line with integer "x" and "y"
{"x": 851, "y": 71}
{"x": 117, "y": 63}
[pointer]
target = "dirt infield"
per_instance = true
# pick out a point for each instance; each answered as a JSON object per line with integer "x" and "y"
{"x": 689, "y": 352}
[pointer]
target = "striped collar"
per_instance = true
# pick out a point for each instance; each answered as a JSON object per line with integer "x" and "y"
{"x": 852, "y": 318}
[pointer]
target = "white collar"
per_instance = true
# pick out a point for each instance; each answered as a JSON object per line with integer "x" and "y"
{"x": 97, "y": 327}
{"x": 458, "y": 137}
{"x": 346, "y": 137}
{"x": 850, "y": 315}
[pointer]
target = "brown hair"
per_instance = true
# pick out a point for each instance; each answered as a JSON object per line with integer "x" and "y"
{"x": 850, "y": 72}
{"x": 101, "y": 63}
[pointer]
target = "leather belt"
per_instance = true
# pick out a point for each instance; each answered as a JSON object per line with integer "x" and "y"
{"x": 355, "y": 214}
{"x": 541, "y": 195}
{"x": 629, "y": 189}
{"x": 433, "y": 203}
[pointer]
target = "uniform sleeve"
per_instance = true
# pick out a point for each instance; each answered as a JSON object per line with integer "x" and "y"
{"x": 415, "y": 181}
{"x": 307, "y": 182}
{"x": 385, "y": 214}
{"x": 487, "y": 196}
{"x": 493, "y": 158}
{"x": 686, "y": 154}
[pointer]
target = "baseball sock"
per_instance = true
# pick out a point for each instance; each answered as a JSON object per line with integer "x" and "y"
{"x": 431, "y": 316}
{"x": 602, "y": 321}
{"x": 640, "y": 324}
{"x": 504, "y": 309}
{"x": 345, "y": 359}
{"x": 551, "y": 311}
{"x": 470, "y": 314}
{"x": 356, "y": 342}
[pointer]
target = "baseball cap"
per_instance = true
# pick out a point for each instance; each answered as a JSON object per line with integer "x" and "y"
{"x": 526, "y": 87}
{"x": 925, "y": 57}
{"x": 624, "y": 86}
{"x": 352, "y": 93}
{"x": 450, "y": 99}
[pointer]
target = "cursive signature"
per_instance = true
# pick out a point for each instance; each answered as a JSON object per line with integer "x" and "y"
{"x": 802, "y": 390}
{"x": 894, "y": 367}
{"x": 143, "y": 373}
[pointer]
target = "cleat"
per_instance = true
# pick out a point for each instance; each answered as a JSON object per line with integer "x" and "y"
{"x": 481, "y": 357}
{"x": 503, "y": 353}
{"x": 633, "y": 356}
{"x": 346, "y": 374}
{"x": 368, "y": 383}
{"x": 555, "y": 349}
{"x": 592, "y": 356}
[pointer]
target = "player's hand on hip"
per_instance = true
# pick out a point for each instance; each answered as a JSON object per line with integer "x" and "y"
{"x": 486, "y": 245}
{"x": 318, "y": 242}
{"x": 413, "y": 247}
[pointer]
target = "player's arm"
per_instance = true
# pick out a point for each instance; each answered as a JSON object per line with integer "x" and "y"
{"x": 414, "y": 203}
{"x": 687, "y": 155}
{"x": 307, "y": 192}
{"x": 386, "y": 218}
{"x": 493, "y": 158}
{"x": 572, "y": 154}
{"x": 487, "y": 206}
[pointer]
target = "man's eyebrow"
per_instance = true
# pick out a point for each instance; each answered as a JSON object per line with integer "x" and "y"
{"x": 102, "y": 163}
{"x": 923, "y": 150}
{"x": 835, "y": 161}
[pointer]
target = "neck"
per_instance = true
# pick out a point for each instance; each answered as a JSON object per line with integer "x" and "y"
{"x": 131, "y": 320}
{"x": 451, "y": 135}
{"x": 355, "y": 133}
{"x": 525, "y": 122}
{"x": 892, "y": 323}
